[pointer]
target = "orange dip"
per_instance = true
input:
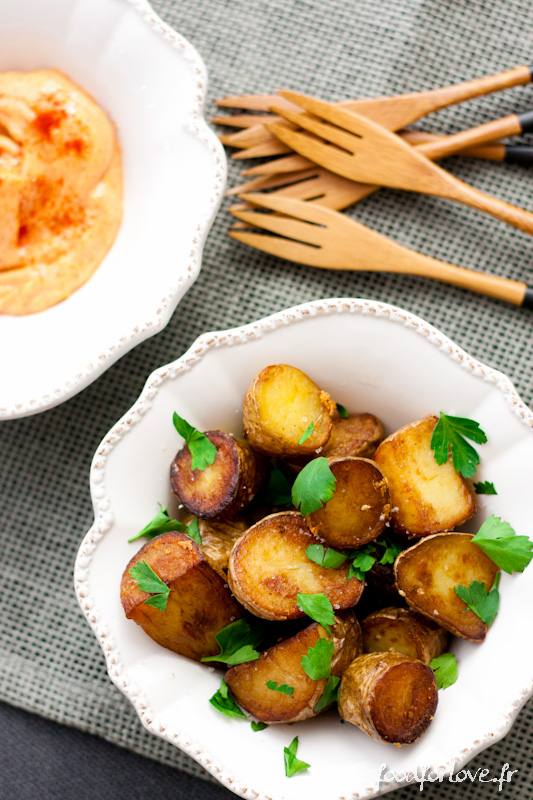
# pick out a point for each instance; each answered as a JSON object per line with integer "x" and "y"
{"x": 60, "y": 189}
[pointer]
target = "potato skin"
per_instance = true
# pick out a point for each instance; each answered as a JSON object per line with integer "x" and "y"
{"x": 218, "y": 537}
{"x": 373, "y": 694}
{"x": 199, "y": 604}
{"x": 427, "y": 572}
{"x": 223, "y": 488}
{"x": 425, "y": 497}
{"x": 356, "y": 435}
{"x": 402, "y": 630}
{"x": 295, "y": 396}
{"x": 360, "y": 507}
{"x": 282, "y": 663}
{"x": 268, "y": 567}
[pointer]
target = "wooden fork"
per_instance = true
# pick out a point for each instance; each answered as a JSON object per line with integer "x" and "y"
{"x": 324, "y": 238}
{"x": 361, "y": 150}
{"x": 333, "y": 191}
{"x": 391, "y": 112}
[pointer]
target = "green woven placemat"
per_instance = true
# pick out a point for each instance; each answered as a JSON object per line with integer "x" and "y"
{"x": 49, "y": 660}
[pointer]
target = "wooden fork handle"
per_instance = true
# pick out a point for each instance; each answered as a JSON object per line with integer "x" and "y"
{"x": 396, "y": 258}
{"x": 455, "y": 189}
{"x": 498, "y": 129}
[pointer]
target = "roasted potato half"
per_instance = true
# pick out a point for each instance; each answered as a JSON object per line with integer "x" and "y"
{"x": 389, "y": 696}
{"x": 278, "y": 408}
{"x": 199, "y": 604}
{"x": 427, "y": 573}
{"x": 356, "y": 435}
{"x": 218, "y": 537}
{"x": 283, "y": 664}
{"x": 359, "y": 508}
{"x": 426, "y": 497}
{"x": 402, "y": 630}
{"x": 268, "y": 568}
{"x": 223, "y": 488}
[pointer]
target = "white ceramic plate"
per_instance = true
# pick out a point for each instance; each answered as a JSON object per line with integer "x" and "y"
{"x": 152, "y": 83}
{"x": 370, "y": 357}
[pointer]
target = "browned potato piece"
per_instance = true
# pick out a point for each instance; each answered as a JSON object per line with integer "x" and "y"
{"x": 268, "y": 568}
{"x": 356, "y": 435}
{"x": 199, "y": 604}
{"x": 402, "y": 630}
{"x": 223, "y": 488}
{"x": 218, "y": 537}
{"x": 283, "y": 663}
{"x": 278, "y": 407}
{"x": 359, "y": 508}
{"x": 427, "y": 573}
{"x": 389, "y": 696}
{"x": 425, "y": 497}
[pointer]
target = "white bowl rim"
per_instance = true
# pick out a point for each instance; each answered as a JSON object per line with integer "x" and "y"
{"x": 103, "y": 520}
{"x": 157, "y": 319}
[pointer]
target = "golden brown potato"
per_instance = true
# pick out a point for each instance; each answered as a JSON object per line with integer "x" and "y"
{"x": 199, "y": 604}
{"x": 218, "y": 537}
{"x": 279, "y": 406}
{"x": 402, "y": 630}
{"x": 427, "y": 573}
{"x": 223, "y": 488}
{"x": 356, "y": 435}
{"x": 359, "y": 508}
{"x": 283, "y": 664}
{"x": 425, "y": 497}
{"x": 268, "y": 568}
{"x": 389, "y": 696}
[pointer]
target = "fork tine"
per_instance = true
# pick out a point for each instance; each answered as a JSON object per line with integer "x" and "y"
{"x": 249, "y": 137}
{"x": 278, "y": 165}
{"x": 243, "y": 120}
{"x": 290, "y": 228}
{"x": 325, "y": 131}
{"x": 292, "y": 208}
{"x": 310, "y": 147}
{"x": 272, "y": 147}
{"x": 272, "y": 181}
{"x": 283, "y": 248}
{"x": 345, "y": 119}
{"x": 254, "y": 102}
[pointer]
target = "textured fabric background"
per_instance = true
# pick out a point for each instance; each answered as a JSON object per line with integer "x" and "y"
{"x": 49, "y": 661}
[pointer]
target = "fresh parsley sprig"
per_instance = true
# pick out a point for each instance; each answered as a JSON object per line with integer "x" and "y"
{"x": 329, "y": 558}
{"x": 258, "y": 726}
{"x": 226, "y": 704}
{"x": 343, "y": 414}
{"x": 283, "y": 687}
{"x": 203, "y": 452}
{"x": 293, "y": 764}
{"x": 307, "y": 433}
{"x": 484, "y": 604}
{"x": 485, "y": 487}
{"x": 162, "y": 523}
{"x": 318, "y": 607}
{"x": 361, "y": 561}
{"x": 500, "y": 543}
{"x": 278, "y": 492}
{"x": 450, "y": 435}
{"x": 237, "y": 642}
{"x": 314, "y": 486}
{"x": 445, "y": 669}
{"x": 317, "y": 663}
{"x": 149, "y": 581}
{"x": 330, "y": 694}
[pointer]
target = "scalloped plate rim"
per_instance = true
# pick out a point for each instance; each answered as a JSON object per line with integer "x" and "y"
{"x": 157, "y": 319}
{"x": 204, "y": 343}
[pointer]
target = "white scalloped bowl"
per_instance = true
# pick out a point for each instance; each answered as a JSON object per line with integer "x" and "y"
{"x": 370, "y": 357}
{"x": 152, "y": 83}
